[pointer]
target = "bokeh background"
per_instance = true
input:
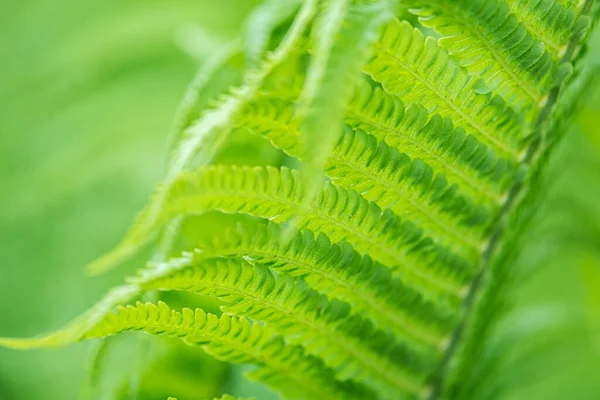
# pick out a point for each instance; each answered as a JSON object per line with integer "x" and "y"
{"x": 88, "y": 90}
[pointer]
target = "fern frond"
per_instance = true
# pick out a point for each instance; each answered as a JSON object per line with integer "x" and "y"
{"x": 327, "y": 330}
{"x": 341, "y": 41}
{"x": 286, "y": 368}
{"x": 343, "y": 215}
{"x": 340, "y": 272}
{"x": 383, "y": 175}
{"x": 342, "y": 37}
{"x": 208, "y": 134}
{"x": 409, "y": 188}
{"x": 274, "y": 120}
{"x": 315, "y": 105}
{"x": 210, "y": 72}
{"x": 417, "y": 70}
{"x": 433, "y": 139}
{"x": 551, "y": 21}
{"x": 260, "y": 25}
{"x": 465, "y": 161}
{"x": 376, "y": 268}
{"x": 486, "y": 293}
{"x": 489, "y": 41}
{"x": 336, "y": 270}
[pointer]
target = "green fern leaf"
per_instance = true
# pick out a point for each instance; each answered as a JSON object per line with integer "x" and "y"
{"x": 371, "y": 262}
{"x": 459, "y": 157}
{"x": 228, "y": 338}
{"x": 208, "y": 134}
{"x": 417, "y": 70}
{"x": 343, "y": 36}
{"x": 341, "y": 214}
{"x": 551, "y": 21}
{"x": 476, "y": 32}
{"x": 326, "y": 329}
{"x": 385, "y": 176}
{"x": 341, "y": 273}
{"x": 260, "y": 25}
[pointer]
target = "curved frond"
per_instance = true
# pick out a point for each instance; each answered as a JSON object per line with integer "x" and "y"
{"x": 212, "y": 71}
{"x": 410, "y": 189}
{"x": 369, "y": 258}
{"x": 342, "y": 38}
{"x": 489, "y": 41}
{"x": 384, "y": 175}
{"x": 341, "y": 41}
{"x": 432, "y": 138}
{"x": 551, "y": 21}
{"x": 412, "y": 130}
{"x": 286, "y": 368}
{"x": 260, "y": 25}
{"x": 276, "y": 194}
{"x": 204, "y": 138}
{"x": 328, "y": 330}
{"x": 340, "y": 272}
{"x": 416, "y": 69}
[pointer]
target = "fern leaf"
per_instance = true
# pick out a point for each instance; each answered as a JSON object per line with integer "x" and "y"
{"x": 273, "y": 119}
{"x": 387, "y": 177}
{"x": 341, "y": 273}
{"x": 376, "y": 271}
{"x": 346, "y": 342}
{"x": 491, "y": 297}
{"x": 261, "y": 23}
{"x": 417, "y": 70}
{"x": 486, "y": 294}
{"x": 461, "y": 158}
{"x": 210, "y": 131}
{"x": 390, "y": 179}
{"x": 490, "y": 42}
{"x": 342, "y": 36}
{"x": 286, "y": 368}
{"x": 341, "y": 214}
{"x": 211, "y": 71}
{"x": 432, "y": 138}
{"x": 551, "y": 21}
{"x": 410, "y": 189}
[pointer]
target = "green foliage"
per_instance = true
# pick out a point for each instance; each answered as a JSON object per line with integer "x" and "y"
{"x": 479, "y": 31}
{"x": 370, "y": 257}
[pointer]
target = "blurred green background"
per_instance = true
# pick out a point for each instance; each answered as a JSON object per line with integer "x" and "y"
{"x": 87, "y": 94}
